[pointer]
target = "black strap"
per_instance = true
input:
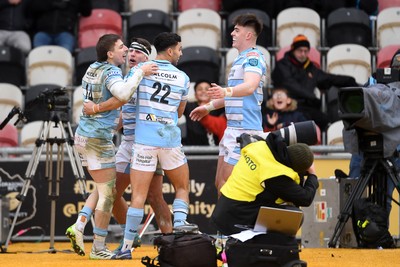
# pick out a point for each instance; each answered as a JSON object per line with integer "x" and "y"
{"x": 148, "y": 262}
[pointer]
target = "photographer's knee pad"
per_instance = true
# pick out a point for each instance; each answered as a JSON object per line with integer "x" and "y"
{"x": 107, "y": 194}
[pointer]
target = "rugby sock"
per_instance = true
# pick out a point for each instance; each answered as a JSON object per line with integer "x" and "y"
{"x": 133, "y": 218}
{"x": 83, "y": 218}
{"x": 180, "y": 209}
{"x": 99, "y": 240}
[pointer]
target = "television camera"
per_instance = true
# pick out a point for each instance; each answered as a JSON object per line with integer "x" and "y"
{"x": 371, "y": 118}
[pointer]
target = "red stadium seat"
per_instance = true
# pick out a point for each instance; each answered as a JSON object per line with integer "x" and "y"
{"x": 387, "y": 3}
{"x": 210, "y": 4}
{"x": 102, "y": 21}
{"x": 315, "y": 55}
{"x": 9, "y": 136}
{"x": 384, "y": 56}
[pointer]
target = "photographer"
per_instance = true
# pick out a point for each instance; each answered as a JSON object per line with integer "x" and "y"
{"x": 269, "y": 173}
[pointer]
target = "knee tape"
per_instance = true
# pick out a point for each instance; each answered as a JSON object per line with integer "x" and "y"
{"x": 106, "y": 195}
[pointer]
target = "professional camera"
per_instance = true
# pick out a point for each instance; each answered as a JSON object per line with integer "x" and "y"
{"x": 371, "y": 117}
{"x": 55, "y": 99}
{"x": 300, "y": 132}
{"x": 50, "y": 104}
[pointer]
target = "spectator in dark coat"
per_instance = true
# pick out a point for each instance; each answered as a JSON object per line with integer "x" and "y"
{"x": 14, "y": 25}
{"x": 301, "y": 78}
{"x": 55, "y": 21}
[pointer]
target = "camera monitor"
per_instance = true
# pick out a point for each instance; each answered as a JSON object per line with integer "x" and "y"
{"x": 387, "y": 75}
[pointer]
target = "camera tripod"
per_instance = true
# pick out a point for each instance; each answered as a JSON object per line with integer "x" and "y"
{"x": 45, "y": 139}
{"x": 374, "y": 174}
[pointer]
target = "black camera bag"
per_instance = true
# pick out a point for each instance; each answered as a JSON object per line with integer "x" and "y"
{"x": 186, "y": 249}
{"x": 265, "y": 250}
{"x": 370, "y": 224}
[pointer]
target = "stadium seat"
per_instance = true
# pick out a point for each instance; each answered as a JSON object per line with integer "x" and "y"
{"x": 383, "y": 4}
{"x": 161, "y": 5}
{"x": 297, "y": 20}
{"x": 388, "y": 27}
{"x": 77, "y": 105}
{"x": 348, "y": 26}
{"x": 83, "y": 59}
{"x": 350, "y": 59}
{"x": 30, "y": 132}
{"x": 117, "y": 6}
{"x": 12, "y": 66}
{"x": 189, "y": 4}
{"x": 334, "y": 136}
{"x": 50, "y": 64}
{"x": 315, "y": 55}
{"x": 36, "y": 106}
{"x": 264, "y": 39}
{"x": 9, "y": 136}
{"x": 199, "y": 63}
{"x": 233, "y": 53}
{"x": 11, "y": 96}
{"x": 148, "y": 23}
{"x": 200, "y": 27}
{"x": 153, "y": 53}
{"x": 100, "y": 22}
{"x": 384, "y": 56}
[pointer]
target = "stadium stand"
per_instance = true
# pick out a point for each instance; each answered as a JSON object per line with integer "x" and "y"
{"x": 264, "y": 39}
{"x": 148, "y": 23}
{"x": 100, "y": 22}
{"x": 11, "y": 95}
{"x": 297, "y": 20}
{"x": 12, "y": 66}
{"x": 348, "y": 26}
{"x": 350, "y": 59}
{"x": 49, "y": 64}
{"x": 200, "y": 63}
{"x": 388, "y": 27}
{"x": 200, "y": 27}
{"x": 189, "y": 4}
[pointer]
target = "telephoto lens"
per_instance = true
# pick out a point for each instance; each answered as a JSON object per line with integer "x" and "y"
{"x": 300, "y": 132}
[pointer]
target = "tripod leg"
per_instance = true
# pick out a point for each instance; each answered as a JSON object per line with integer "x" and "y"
{"x": 76, "y": 164}
{"x": 29, "y": 174}
{"x": 346, "y": 211}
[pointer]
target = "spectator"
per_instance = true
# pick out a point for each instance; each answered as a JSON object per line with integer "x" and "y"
{"x": 296, "y": 73}
{"x": 275, "y": 178}
{"x": 281, "y": 111}
{"x": 197, "y": 133}
{"x": 14, "y": 25}
{"x": 55, "y": 21}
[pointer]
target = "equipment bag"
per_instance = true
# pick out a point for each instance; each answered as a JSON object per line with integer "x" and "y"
{"x": 370, "y": 224}
{"x": 265, "y": 250}
{"x": 186, "y": 249}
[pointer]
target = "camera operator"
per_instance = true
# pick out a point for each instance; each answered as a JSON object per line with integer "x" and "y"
{"x": 357, "y": 159}
{"x": 269, "y": 173}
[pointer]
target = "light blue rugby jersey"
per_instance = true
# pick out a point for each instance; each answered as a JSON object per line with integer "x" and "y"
{"x": 95, "y": 83}
{"x": 158, "y": 99}
{"x": 129, "y": 118}
{"x": 245, "y": 112}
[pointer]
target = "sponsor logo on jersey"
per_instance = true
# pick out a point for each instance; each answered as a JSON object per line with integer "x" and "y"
{"x": 163, "y": 120}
